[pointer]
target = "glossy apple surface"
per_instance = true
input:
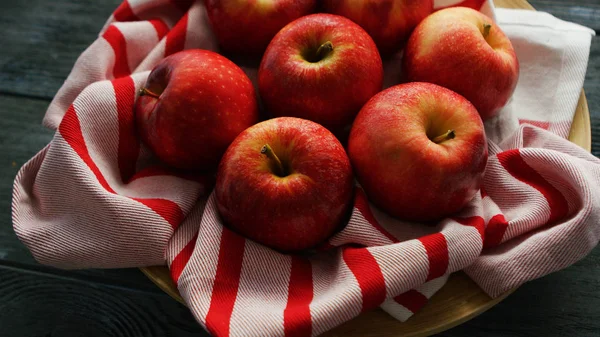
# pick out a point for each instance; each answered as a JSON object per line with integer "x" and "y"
{"x": 193, "y": 105}
{"x": 247, "y": 26}
{"x": 465, "y": 51}
{"x": 419, "y": 151}
{"x": 321, "y": 67}
{"x": 285, "y": 183}
{"x": 389, "y": 22}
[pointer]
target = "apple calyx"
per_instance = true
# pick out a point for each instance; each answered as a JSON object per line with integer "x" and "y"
{"x": 278, "y": 166}
{"x": 146, "y": 92}
{"x": 486, "y": 30}
{"x": 450, "y": 134}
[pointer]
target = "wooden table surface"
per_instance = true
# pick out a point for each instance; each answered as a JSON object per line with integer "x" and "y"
{"x": 39, "y": 43}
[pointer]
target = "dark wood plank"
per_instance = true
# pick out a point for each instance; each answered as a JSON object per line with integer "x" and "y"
{"x": 32, "y": 305}
{"x": 45, "y": 39}
{"x": 584, "y": 12}
{"x": 560, "y": 304}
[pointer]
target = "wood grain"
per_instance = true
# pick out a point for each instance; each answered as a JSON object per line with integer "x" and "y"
{"x": 45, "y": 39}
{"x": 33, "y": 305}
{"x": 584, "y": 12}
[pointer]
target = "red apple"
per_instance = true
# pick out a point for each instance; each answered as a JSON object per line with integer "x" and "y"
{"x": 465, "y": 51}
{"x": 419, "y": 151}
{"x": 285, "y": 183}
{"x": 193, "y": 105}
{"x": 247, "y": 26}
{"x": 321, "y": 67}
{"x": 389, "y": 22}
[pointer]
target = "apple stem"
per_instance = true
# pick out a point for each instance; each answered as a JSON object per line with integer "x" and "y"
{"x": 146, "y": 92}
{"x": 450, "y": 134}
{"x": 324, "y": 50}
{"x": 268, "y": 151}
{"x": 486, "y": 30}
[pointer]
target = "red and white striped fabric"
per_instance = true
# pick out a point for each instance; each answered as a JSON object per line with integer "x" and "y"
{"x": 96, "y": 197}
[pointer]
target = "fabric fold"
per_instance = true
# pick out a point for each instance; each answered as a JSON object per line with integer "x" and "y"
{"x": 96, "y": 197}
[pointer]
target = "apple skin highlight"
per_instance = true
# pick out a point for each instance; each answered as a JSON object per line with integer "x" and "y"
{"x": 292, "y": 207}
{"x": 247, "y": 26}
{"x": 388, "y": 22}
{"x": 465, "y": 51}
{"x": 323, "y": 68}
{"x": 193, "y": 105}
{"x": 419, "y": 151}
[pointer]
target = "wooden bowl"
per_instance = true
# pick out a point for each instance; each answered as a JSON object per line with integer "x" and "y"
{"x": 457, "y": 302}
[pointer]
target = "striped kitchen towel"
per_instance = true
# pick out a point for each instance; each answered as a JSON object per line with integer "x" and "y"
{"x": 95, "y": 197}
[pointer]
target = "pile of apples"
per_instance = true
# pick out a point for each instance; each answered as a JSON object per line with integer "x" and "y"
{"x": 285, "y": 172}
